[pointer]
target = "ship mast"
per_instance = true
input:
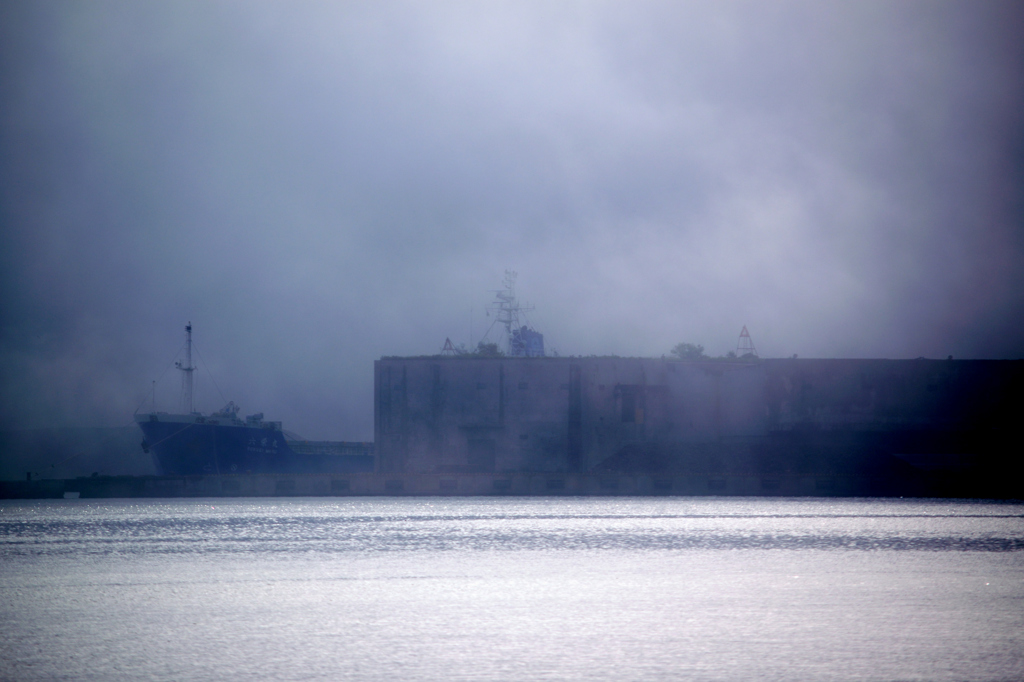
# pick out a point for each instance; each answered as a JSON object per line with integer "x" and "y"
{"x": 187, "y": 369}
{"x": 520, "y": 340}
{"x": 506, "y": 309}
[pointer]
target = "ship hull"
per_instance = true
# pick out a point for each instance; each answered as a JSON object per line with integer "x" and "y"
{"x": 194, "y": 448}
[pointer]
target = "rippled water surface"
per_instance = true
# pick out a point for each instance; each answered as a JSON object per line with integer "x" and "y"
{"x": 512, "y": 589}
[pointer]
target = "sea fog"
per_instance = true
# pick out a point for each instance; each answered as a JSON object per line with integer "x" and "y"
{"x": 317, "y": 185}
{"x": 487, "y": 589}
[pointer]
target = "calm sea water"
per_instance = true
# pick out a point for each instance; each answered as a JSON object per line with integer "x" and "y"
{"x": 520, "y": 589}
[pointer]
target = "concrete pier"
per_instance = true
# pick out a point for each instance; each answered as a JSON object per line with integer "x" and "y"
{"x": 922, "y": 484}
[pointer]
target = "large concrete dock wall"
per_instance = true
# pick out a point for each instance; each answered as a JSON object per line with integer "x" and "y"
{"x": 866, "y": 419}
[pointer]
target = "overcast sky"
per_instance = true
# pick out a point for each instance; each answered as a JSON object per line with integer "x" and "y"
{"x": 315, "y": 185}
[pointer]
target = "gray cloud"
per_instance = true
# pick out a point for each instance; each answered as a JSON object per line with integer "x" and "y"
{"x": 315, "y": 185}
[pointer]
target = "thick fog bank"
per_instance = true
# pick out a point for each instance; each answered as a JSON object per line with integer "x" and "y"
{"x": 315, "y": 186}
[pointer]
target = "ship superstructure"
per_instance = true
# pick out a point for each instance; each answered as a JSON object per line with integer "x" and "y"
{"x": 521, "y": 340}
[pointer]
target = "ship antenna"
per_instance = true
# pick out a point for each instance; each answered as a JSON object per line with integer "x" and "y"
{"x": 512, "y": 316}
{"x": 187, "y": 369}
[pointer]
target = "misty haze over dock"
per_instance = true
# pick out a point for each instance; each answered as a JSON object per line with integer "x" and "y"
{"x": 315, "y": 186}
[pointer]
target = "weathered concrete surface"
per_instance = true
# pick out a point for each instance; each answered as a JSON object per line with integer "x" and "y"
{"x": 898, "y": 421}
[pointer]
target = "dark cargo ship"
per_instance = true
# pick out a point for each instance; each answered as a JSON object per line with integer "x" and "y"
{"x": 192, "y": 443}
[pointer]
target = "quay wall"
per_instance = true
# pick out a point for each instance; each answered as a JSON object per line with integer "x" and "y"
{"x": 924, "y": 484}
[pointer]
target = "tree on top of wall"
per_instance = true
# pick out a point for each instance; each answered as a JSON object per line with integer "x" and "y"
{"x": 689, "y": 351}
{"x": 488, "y": 350}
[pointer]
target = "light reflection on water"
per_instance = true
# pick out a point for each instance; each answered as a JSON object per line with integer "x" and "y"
{"x": 525, "y": 588}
